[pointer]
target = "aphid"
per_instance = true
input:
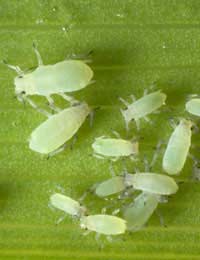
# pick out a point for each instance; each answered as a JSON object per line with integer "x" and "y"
{"x": 67, "y": 204}
{"x": 193, "y": 106}
{"x": 152, "y": 183}
{"x": 139, "y": 212}
{"x": 142, "y": 107}
{"x": 104, "y": 224}
{"x": 178, "y": 148}
{"x": 148, "y": 182}
{"x": 51, "y": 135}
{"x": 114, "y": 148}
{"x": 45, "y": 80}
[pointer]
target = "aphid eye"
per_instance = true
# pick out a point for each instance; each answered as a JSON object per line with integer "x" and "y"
{"x": 23, "y": 92}
{"x": 20, "y": 77}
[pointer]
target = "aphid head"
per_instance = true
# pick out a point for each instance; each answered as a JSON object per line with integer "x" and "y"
{"x": 83, "y": 223}
{"x": 23, "y": 85}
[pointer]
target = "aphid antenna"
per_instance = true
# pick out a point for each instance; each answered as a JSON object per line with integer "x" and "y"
{"x": 156, "y": 154}
{"x": 74, "y": 140}
{"x": 38, "y": 56}
{"x": 15, "y": 68}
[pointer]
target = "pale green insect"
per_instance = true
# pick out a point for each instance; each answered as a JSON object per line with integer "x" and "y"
{"x": 148, "y": 182}
{"x": 51, "y": 135}
{"x": 177, "y": 148}
{"x": 103, "y": 224}
{"x": 152, "y": 183}
{"x": 45, "y": 80}
{"x": 193, "y": 106}
{"x": 67, "y": 204}
{"x": 114, "y": 148}
{"x": 139, "y": 212}
{"x": 142, "y": 107}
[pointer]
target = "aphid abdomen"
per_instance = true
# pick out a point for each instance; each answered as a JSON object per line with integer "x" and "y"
{"x": 178, "y": 147}
{"x": 110, "y": 186}
{"x": 104, "y": 224}
{"x": 65, "y": 76}
{"x": 193, "y": 106}
{"x": 138, "y": 213}
{"x": 58, "y": 129}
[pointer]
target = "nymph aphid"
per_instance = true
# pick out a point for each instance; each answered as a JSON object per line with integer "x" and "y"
{"x": 67, "y": 204}
{"x": 178, "y": 147}
{"x": 114, "y": 148}
{"x": 45, "y": 80}
{"x": 142, "y": 107}
{"x": 103, "y": 224}
{"x": 51, "y": 135}
{"x": 138, "y": 213}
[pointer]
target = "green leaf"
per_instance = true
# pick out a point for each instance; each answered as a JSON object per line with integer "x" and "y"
{"x": 136, "y": 44}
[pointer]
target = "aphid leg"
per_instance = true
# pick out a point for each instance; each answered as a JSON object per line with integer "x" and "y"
{"x": 112, "y": 172}
{"x": 124, "y": 101}
{"x": 85, "y": 194}
{"x": 51, "y": 104}
{"x": 59, "y": 150}
{"x": 40, "y": 110}
{"x": 172, "y": 123}
{"x": 98, "y": 156}
{"x": 145, "y": 92}
{"x": 70, "y": 99}
{"x": 74, "y": 139}
{"x": 147, "y": 119}
{"x": 133, "y": 158}
{"x": 190, "y": 96}
{"x": 15, "y": 68}
{"x": 91, "y": 82}
{"x": 115, "y": 133}
{"x": 133, "y": 98}
{"x": 162, "y": 222}
{"x": 39, "y": 58}
{"x": 91, "y": 117}
{"x": 61, "y": 219}
{"x": 84, "y": 57}
{"x": 115, "y": 212}
{"x": 137, "y": 122}
{"x": 85, "y": 233}
{"x": 146, "y": 164}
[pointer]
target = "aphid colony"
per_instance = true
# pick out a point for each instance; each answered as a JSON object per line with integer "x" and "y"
{"x": 147, "y": 189}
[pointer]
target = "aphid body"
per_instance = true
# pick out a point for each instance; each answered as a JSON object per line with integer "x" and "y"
{"x": 177, "y": 148}
{"x": 193, "y": 106}
{"x": 58, "y": 128}
{"x": 137, "y": 213}
{"x": 67, "y": 204}
{"x": 114, "y": 147}
{"x": 152, "y": 183}
{"x": 143, "y": 107}
{"x": 104, "y": 224}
